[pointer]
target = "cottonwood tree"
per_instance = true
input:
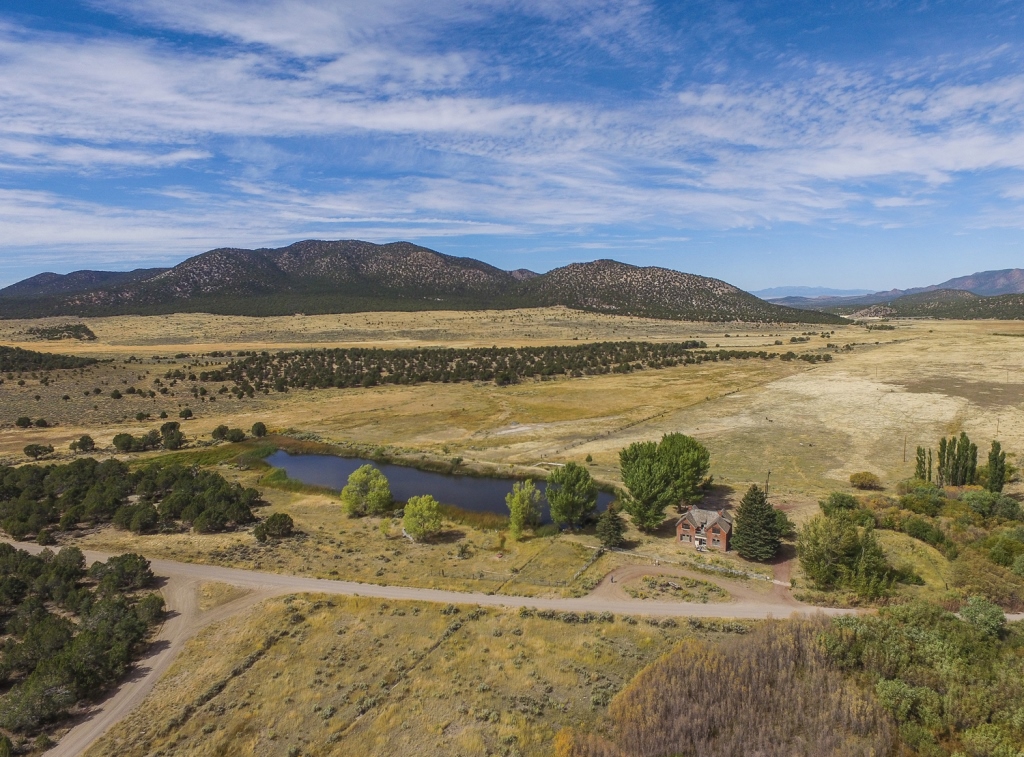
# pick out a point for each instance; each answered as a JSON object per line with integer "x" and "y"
{"x": 671, "y": 472}
{"x": 756, "y": 530}
{"x": 366, "y": 493}
{"x": 422, "y": 517}
{"x": 649, "y": 484}
{"x": 688, "y": 462}
{"x": 523, "y": 507}
{"x": 571, "y": 493}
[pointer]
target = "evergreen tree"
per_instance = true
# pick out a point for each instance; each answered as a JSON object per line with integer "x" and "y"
{"x": 756, "y": 528}
{"x": 611, "y": 527}
{"x": 571, "y": 493}
{"x": 996, "y": 468}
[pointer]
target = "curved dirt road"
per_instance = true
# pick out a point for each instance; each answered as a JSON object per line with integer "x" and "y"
{"x": 182, "y": 581}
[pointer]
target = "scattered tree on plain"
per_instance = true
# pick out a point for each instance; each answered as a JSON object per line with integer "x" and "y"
{"x": 259, "y": 429}
{"x": 276, "y": 526}
{"x": 422, "y": 517}
{"x": 366, "y": 493}
{"x": 571, "y": 493}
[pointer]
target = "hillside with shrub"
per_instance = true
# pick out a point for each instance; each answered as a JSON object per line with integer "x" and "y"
{"x": 354, "y": 276}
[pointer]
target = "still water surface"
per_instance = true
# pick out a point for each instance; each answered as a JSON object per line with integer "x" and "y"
{"x": 481, "y": 495}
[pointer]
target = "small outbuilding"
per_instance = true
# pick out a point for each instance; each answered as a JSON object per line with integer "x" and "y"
{"x": 704, "y": 529}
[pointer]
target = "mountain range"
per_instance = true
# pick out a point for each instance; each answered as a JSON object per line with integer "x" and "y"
{"x": 350, "y": 276}
{"x": 1009, "y": 281}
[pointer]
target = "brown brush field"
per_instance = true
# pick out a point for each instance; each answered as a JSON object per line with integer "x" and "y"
{"x": 312, "y": 675}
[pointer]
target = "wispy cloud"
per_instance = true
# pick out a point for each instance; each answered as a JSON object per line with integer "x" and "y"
{"x": 235, "y": 122}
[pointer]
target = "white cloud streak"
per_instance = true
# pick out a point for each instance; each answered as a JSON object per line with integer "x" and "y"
{"x": 457, "y": 146}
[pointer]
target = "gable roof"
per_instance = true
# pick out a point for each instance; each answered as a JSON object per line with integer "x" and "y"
{"x": 702, "y": 520}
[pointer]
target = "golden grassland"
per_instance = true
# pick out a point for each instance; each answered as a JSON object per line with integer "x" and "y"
{"x": 313, "y": 675}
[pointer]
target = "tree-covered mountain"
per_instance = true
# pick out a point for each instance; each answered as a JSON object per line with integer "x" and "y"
{"x": 946, "y": 303}
{"x": 352, "y": 276}
{"x": 50, "y": 284}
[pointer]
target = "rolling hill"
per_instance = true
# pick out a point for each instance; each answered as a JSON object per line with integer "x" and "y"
{"x": 351, "y": 276}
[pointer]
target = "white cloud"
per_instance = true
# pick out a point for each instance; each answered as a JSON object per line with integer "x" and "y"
{"x": 444, "y": 136}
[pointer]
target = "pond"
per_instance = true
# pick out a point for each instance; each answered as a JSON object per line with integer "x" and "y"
{"x": 479, "y": 495}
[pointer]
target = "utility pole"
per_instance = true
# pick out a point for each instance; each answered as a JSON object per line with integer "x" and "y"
{"x": 766, "y": 484}
{"x": 905, "y": 446}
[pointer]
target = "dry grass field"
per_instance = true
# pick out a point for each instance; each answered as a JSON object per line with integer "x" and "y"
{"x": 811, "y": 426}
{"x": 310, "y": 675}
{"x": 307, "y": 675}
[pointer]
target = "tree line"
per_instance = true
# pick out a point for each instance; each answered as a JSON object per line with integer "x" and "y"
{"x": 37, "y": 499}
{"x": 18, "y": 359}
{"x": 71, "y": 633}
{"x": 354, "y": 367}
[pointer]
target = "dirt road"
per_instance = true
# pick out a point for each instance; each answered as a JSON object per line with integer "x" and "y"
{"x": 182, "y": 582}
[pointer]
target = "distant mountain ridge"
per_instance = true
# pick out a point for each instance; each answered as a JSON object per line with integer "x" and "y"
{"x": 351, "y": 275}
{"x": 1007, "y": 281}
{"x": 49, "y": 284}
{"x": 775, "y": 293}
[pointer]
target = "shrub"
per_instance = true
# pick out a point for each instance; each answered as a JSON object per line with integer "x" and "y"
{"x": 83, "y": 444}
{"x": 837, "y": 501}
{"x": 235, "y": 435}
{"x": 866, "y": 481}
{"x": 35, "y": 451}
{"x": 185, "y": 414}
{"x": 41, "y": 422}
{"x": 115, "y": 395}
{"x": 277, "y": 526}
{"x": 220, "y": 432}
{"x": 984, "y": 615}
{"x": 23, "y": 422}
{"x": 422, "y": 517}
{"x": 259, "y": 429}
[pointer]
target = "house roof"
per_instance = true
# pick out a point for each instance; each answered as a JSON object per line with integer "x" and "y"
{"x": 705, "y": 519}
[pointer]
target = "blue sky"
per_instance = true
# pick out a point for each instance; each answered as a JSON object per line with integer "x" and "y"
{"x": 852, "y": 145}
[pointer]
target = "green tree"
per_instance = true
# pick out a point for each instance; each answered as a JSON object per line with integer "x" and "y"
{"x": 688, "y": 462}
{"x": 611, "y": 528}
{"x": 650, "y": 487}
{"x": 996, "y": 468}
{"x": 366, "y": 493}
{"x": 36, "y": 451}
{"x": 571, "y": 493}
{"x": 756, "y": 528}
{"x": 235, "y": 435}
{"x": 921, "y": 465}
{"x": 185, "y": 414}
{"x": 23, "y": 422}
{"x": 826, "y": 547}
{"x": 259, "y": 429}
{"x": 219, "y": 433}
{"x": 422, "y": 517}
{"x": 276, "y": 526}
{"x": 523, "y": 507}
{"x": 84, "y": 443}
